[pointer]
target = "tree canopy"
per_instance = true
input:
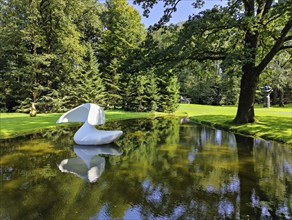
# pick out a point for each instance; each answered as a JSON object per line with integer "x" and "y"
{"x": 246, "y": 33}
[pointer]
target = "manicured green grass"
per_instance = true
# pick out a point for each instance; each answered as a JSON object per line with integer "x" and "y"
{"x": 15, "y": 124}
{"x": 274, "y": 123}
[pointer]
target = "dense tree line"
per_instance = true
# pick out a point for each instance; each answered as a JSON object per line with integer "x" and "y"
{"x": 47, "y": 54}
{"x": 59, "y": 54}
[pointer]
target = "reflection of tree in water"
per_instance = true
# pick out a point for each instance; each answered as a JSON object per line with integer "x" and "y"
{"x": 274, "y": 170}
{"x": 178, "y": 177}
{"x": 63, "y": 135}
{"x": 265, "y": 184}
{"x": 140, "y": 157}
{"x": 167, "y": 170}
{"x": 26, "y": 173}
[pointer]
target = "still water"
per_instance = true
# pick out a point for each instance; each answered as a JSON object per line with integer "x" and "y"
{"x": 159, "y": 169}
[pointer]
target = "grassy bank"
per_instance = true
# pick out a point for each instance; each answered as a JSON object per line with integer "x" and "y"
{"x": 16, "y": 124}
{"x": 273, "y": 123}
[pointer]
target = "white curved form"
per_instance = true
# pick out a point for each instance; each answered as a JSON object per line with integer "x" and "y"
{"x": 88, "y": 165}
{"x": 77, "y": 167}
{"x": 91, "y": 114}
{"x": 86, "y": 153}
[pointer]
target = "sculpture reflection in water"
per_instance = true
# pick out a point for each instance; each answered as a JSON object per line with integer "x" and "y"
{"x": 88, "y": 165}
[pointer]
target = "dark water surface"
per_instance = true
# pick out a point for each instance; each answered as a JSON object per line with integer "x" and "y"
{"x": 159, "y": 169}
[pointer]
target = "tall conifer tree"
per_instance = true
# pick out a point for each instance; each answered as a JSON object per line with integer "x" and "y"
{"x": 123, "y": 33}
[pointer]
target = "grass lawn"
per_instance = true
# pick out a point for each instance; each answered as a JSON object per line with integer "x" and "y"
{"x": 16, "y": 124}
{"x": 273, "y": 123}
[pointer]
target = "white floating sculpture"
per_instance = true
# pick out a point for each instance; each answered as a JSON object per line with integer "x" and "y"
{"x": 90, "y": 114}
{"x": 88, "y": 165}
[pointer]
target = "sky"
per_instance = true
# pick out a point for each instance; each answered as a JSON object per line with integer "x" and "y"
{"x": 184, "y": 9}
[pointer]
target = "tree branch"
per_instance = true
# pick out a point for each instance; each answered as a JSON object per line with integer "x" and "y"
{"x": 288, "y": 38}
{"x": 249, "y": 7}
{"x": 277, "y": 46}
{"x": 285, "y": 47}
{"x": 260, "y": 7}
{"x": 267, "y": 6}
{"x": 274, "y": 18}
{"x": 203, "y": 58}
{"x": 205, "y": 55}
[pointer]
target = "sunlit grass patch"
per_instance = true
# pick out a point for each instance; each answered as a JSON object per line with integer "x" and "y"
{"x": 273, "y": 123}
{"x": 15, "y": 124}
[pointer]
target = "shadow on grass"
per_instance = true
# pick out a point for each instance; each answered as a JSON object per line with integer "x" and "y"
{"x": 223, "y": 120}
{"x": 280, "y": 128}
{"x": 268, "y": 127}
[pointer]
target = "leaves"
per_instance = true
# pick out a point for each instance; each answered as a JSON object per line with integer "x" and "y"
{"x": 44, "y": 50}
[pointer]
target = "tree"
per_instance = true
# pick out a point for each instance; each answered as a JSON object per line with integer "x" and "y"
{"x": 47, "y": 54}
{"x": 25, "y": 56}
{"x": 168, "y": 88}
{"x": 279, "y": 76}
{"x": 123, "y": 32}
{"x": 208, "y": 82}
{"x": 140, "y": 92}
{"x": 73, "y": 74}
{"x": 163, "y": 77}
{"x": 248, "y": 32}
{"x": 211, "y": 78}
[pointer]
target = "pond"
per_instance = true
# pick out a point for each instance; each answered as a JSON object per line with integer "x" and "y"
{"x": 160, "y": 168}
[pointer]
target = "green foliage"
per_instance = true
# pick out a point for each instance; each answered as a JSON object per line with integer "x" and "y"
{"x": 139, "y": 102}
{"x": 152, "y": 92}
{"x": 279, "y": 76}
{"x": 246, "y": 34}
{"x": 59, "y": 54}
{"x": 123, "y": 33}
{"x": 47, "y": 54}
{"x": 215, "y": 89}
{"x": 169, "y": 91}
{"x": 83, "y": 85}
{"x": 141, "y": 92}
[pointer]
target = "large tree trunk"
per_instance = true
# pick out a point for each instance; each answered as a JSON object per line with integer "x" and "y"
{"x": 245, "y": 110}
